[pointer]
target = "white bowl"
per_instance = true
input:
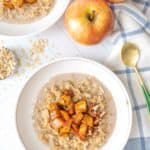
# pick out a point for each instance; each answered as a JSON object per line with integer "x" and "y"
{"x": 13, "y": 30}
{"x": 28, "y": 96}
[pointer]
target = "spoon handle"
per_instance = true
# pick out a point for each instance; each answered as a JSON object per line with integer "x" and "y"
{"x": 144, "y": 89}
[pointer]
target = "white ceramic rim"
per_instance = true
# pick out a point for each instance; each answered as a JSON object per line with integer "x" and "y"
{"x": 94, "y": 63}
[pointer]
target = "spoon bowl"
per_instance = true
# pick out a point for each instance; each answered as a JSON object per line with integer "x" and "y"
{"x": 130, "y": 54}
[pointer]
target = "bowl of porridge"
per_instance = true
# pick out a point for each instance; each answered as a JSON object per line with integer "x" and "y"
{"x": 28, "y": 17}
{"x": 73, "y": 103}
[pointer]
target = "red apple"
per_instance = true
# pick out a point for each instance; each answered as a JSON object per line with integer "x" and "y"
{"x": 88, "y": 21}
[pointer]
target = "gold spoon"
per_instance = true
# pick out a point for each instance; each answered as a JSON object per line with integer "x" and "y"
{"x": 130, "y": 55}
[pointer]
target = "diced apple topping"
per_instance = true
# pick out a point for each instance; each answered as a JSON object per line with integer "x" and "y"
{"x": 71, "y": 108}
{"x": 53, "y": 106}
{"x": 11, "y": 4}
{"x": 54, "y": 114}
{"x": 75, "y": 128}
{"x": 69, "y": 117}
{"x": 57, "y": 123}
{"x": 65, "y": 115}
{"x": 81, "y": 106}
{"x": 8, "y": 4}
{"x": 65, "y": 100}
{"x": 67, "y": 103}
{"x": 64, "y": 131}
{"x": 77, "y": 118}
{"x": 17, "y": 3}
{"x": 83, "y": 131}
{"x": 30, "y": 1}
{"x": 88, "y": 120}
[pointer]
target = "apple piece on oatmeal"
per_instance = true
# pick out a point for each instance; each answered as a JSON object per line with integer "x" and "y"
{"x": 30, "y": 1}
{"x": 75, "y": 128}
{"x": 68, "y": 123}
{"x": 57, "y": 123}
{"x": 65, "y": 100}
{"x": 83, "y": 131}
{"x": 17, "y": 3}
{"x": 55, "y": 114}
{"x": 65, "y": 115}
{"x": 67, "y": 103}
{"x": 88, "y": 120}
{"x": 53, "y": 106}
{"x": 63, "y": 131}
{"x": 77, "y": 118}
{"x": 81, "y": 106}
{"x": 8, "y": 4}
{"x": 71, "y": 108}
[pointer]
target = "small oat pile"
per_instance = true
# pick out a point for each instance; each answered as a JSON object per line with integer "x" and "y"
{"x": 36, "y": 51}
{"x": 33, "y": 56}
{"x": 38, "y": 46}
{"x": 7, "y": 63}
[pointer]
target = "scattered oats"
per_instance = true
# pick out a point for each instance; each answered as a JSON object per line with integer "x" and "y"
{"x": 8, "y": 63}
{"x": 38, "y": 46}
{"x": 36, "y": 52}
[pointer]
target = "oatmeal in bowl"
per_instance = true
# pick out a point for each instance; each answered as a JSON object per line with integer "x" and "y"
{"x": 29, "y": 17}
{"x": 73, "y": 103}
{"x": 72, "y": 112}
{"x": 25, "y": 11}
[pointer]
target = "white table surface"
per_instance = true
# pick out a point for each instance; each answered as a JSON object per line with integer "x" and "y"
{"x": 60, "y": 45}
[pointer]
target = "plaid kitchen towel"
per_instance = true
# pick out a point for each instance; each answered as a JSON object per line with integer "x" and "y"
{"x": 133, "y": 24}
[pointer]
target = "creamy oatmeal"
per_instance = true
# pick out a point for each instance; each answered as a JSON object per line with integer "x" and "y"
{"x": 74, "y": 112}
{"x": 24, "y": 11}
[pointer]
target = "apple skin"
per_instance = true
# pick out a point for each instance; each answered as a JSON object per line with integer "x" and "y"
{"x": 89, "y": 21}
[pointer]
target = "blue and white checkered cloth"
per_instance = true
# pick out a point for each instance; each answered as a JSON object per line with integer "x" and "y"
{"x": 133, "y": 24}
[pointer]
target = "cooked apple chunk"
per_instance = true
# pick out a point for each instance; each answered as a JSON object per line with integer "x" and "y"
{"x": 77, "y": 118}
{"x": 65, "y": 115}
{"x": 88, "y": 120}
{"x": 75, "y": 128}
{"x": 64, "y": 130}
{"x": 30, "y": 1}
{"x": 67, "y": 103}
{"x": 57, "y": 123}
{"x": 17, "y": 3}
{"x": 83, "y": 131}
{"x": 53, "y": 106}
{"x": 8, "y": 4}
{"x": 81, "y": 106}
{"x": 65, "y": 100}
{"x": 55, "y": 114}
